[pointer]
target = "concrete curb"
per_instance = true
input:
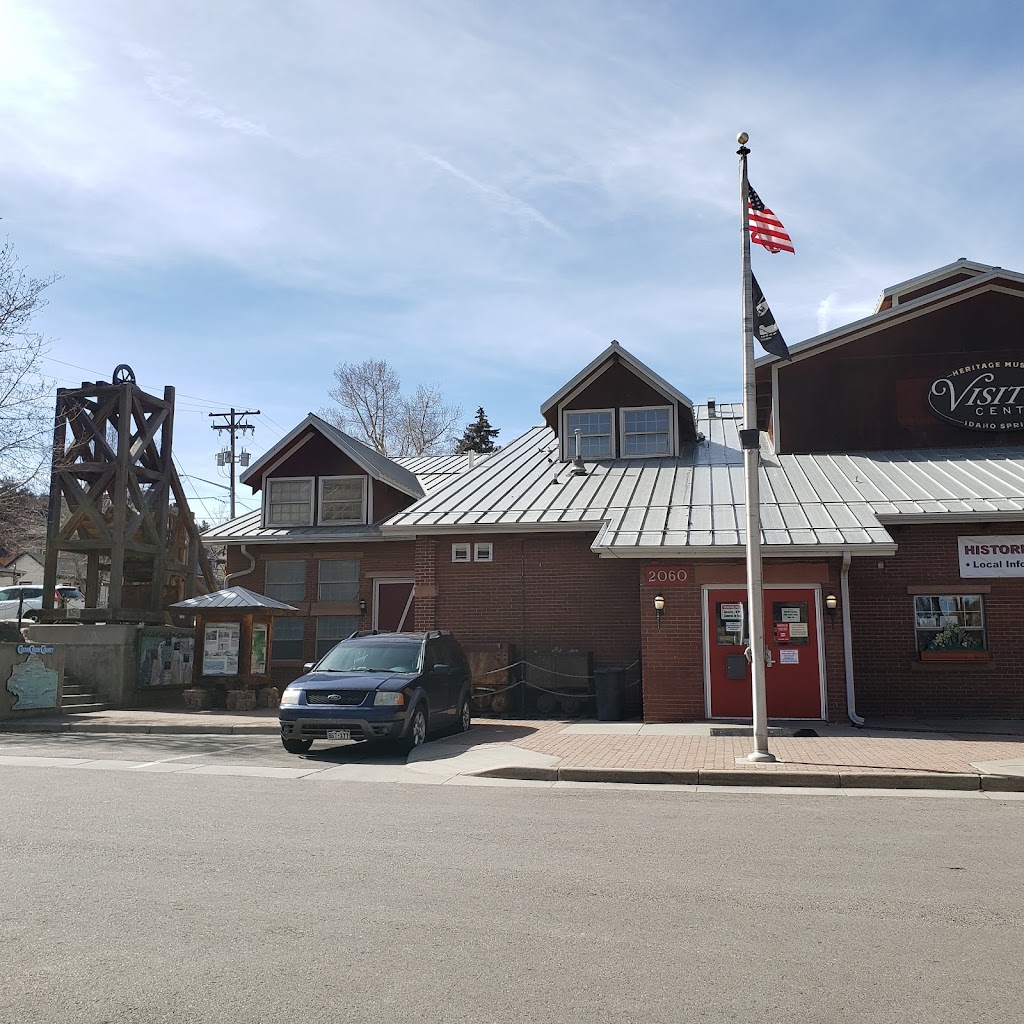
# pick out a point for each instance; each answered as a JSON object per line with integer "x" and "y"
{"x": 964, "y": 781}
{"x": 149, "y": 730}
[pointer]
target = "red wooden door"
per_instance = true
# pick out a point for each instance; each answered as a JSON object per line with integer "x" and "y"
{"x": 393, "y": 607}
{"x": 793, "y": 681}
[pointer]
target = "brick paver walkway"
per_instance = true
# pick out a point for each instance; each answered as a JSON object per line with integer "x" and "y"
{"x": 861, "y": 753}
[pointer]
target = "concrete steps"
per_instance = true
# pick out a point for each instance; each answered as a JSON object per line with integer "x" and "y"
{"x": 79, "y": 699}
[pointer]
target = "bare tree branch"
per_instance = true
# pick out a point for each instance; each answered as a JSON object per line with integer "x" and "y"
{"x": 370, "y": 406}
{"x": 26, "y": 396}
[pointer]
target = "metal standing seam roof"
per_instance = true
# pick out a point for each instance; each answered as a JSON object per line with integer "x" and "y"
{"x": 694, "y": 503}
{"x": 233, "y": 597}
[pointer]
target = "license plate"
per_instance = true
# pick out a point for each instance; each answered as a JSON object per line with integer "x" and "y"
{"x": 339, "y": 734}
{"x": 73, "y": 613}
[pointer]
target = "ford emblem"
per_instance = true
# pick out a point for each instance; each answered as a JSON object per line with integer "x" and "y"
{"x": 334, "y": 696}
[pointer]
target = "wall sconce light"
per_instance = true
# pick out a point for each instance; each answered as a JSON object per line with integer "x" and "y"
{"x": 659, "y": 607}
{"x": 362, "y": 606}
{"x": 831, "y": 604}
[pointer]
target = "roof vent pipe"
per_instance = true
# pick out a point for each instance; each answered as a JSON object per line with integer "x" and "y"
{"x": 578, "y": 469}
{"x": 470, "y": 459}
{"x": 712, "y": 409}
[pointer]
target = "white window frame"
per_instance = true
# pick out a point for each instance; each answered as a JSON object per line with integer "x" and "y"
{"x": 569, "y": 436}
{"x": 267, "y": 487}
{"x": 483, "y": 551}
{"x": 320, "y": 521}
{"x": 623, "y": 454}
{"x": 460, "y": 549}
{"x": 956, "y": 594}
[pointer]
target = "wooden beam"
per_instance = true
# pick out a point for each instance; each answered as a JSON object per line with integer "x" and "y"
{"x": 117, "y": 547}
{"x": 53, "y": 505}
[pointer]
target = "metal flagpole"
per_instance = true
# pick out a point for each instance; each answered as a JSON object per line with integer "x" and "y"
{"x": 750, "y": 438}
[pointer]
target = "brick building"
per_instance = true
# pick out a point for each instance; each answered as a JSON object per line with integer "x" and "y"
{"x": 892, "y": 514}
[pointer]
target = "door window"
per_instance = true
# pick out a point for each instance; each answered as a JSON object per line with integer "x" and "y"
{"x": 790, "y": 625}
{"x": 731, "y": 624}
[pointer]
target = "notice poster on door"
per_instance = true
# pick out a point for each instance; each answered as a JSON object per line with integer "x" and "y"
{"x": 790, "y": 656}
{"x": 790, "y": 614}
{"x": 782, "y": 632}
{"x": 798, "y": 630}
{"x": 220, "y": 649}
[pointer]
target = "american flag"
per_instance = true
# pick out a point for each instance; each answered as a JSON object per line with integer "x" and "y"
{"x": 765, "y": 228}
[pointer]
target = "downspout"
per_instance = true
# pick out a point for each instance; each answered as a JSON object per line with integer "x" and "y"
{"x": 844, "y": 590}
{"x": 242, "y": 572}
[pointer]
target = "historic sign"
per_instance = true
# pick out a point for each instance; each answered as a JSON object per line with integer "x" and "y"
{"x": 991, "y": 556}
{"x": 34, "y": 684}
{"x": 981, "y": 396}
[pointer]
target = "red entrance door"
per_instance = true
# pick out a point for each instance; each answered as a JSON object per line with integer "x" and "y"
{"x": 793, "y": 681}
{"x": 393, "y": 605}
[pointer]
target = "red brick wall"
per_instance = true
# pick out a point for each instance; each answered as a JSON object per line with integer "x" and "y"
{"x": 542, "y": 591}
{"x": 890, "y": 679}
{"x": 673, "y": 654}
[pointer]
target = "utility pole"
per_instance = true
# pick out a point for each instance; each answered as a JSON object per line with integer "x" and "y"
{"x": 233, "y": 426}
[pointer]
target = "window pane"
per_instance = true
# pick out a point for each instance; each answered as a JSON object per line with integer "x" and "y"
{"x": 332, "y": 628}
{"x": 286, "y": 581}
{"x": 339, "y": 579}
{"x": 595, "y": 433}
{"x": 342, "y": 501}
{"x": 287, "y": 642}
{"x": 288, "y": 502}
{"x": 647, "y": 431}
{"x": 949, "y": 622}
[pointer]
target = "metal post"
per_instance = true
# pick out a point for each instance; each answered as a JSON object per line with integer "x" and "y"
{"x": 756, "y": 652}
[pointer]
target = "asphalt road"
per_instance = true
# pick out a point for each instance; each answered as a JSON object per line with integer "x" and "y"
{"x": 134, "y": 897}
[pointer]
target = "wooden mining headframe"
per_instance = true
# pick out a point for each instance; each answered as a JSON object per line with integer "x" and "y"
{"x": 110, "y": 500}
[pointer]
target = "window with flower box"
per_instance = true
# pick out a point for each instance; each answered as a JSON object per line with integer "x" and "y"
{"x": 949, "y": 622}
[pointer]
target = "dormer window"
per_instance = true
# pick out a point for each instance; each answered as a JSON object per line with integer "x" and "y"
{"x": 289, "y": 502}
{"x": 342, "y": 500}
{"x": 595, "y": 427}
{"x": 646, "y": 431}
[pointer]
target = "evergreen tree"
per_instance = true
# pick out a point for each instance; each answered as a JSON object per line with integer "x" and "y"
{"x": 479, "y": 435}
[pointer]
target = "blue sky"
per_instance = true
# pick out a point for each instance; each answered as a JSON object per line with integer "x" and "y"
{"x": 239, "y": 195}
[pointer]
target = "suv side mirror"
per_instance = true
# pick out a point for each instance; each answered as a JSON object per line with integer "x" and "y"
{"x": 442, "y": 670}
{"x": 308, "y": 667}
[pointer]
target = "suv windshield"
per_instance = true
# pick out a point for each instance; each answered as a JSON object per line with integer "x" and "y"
{"x": 359, "y": 656}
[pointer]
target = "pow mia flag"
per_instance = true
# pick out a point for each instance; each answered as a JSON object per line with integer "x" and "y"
{"x": 766, "y": 330}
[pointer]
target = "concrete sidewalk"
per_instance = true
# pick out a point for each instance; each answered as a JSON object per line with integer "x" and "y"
{"x": 947, "y": 754}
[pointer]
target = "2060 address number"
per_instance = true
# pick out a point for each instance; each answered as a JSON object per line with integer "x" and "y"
{"x": 666, "y": 577}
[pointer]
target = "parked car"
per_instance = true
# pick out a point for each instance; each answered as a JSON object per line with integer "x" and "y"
{"x": 70, "y": 597}
{"x": 30, "y": 598}
{"x": 379, "y": 686}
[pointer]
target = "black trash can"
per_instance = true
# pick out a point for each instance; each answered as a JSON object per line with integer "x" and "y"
{"x": 610, "y": 694}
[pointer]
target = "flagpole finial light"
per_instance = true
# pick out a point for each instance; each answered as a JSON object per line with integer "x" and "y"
{"x": 743, "y": 138}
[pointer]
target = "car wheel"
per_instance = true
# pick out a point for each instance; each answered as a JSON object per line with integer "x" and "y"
{"x": 465, "y": 717}
{"x": 296, "y": 746}
{"x": 417, "y": 734}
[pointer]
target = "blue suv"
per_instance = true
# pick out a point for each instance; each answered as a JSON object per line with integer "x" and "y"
{"x": 379, "y": 686}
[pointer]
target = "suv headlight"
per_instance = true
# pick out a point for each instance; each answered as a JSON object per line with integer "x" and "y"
{"x": 291, "y": 696}
{"x": 388, "y": 698}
